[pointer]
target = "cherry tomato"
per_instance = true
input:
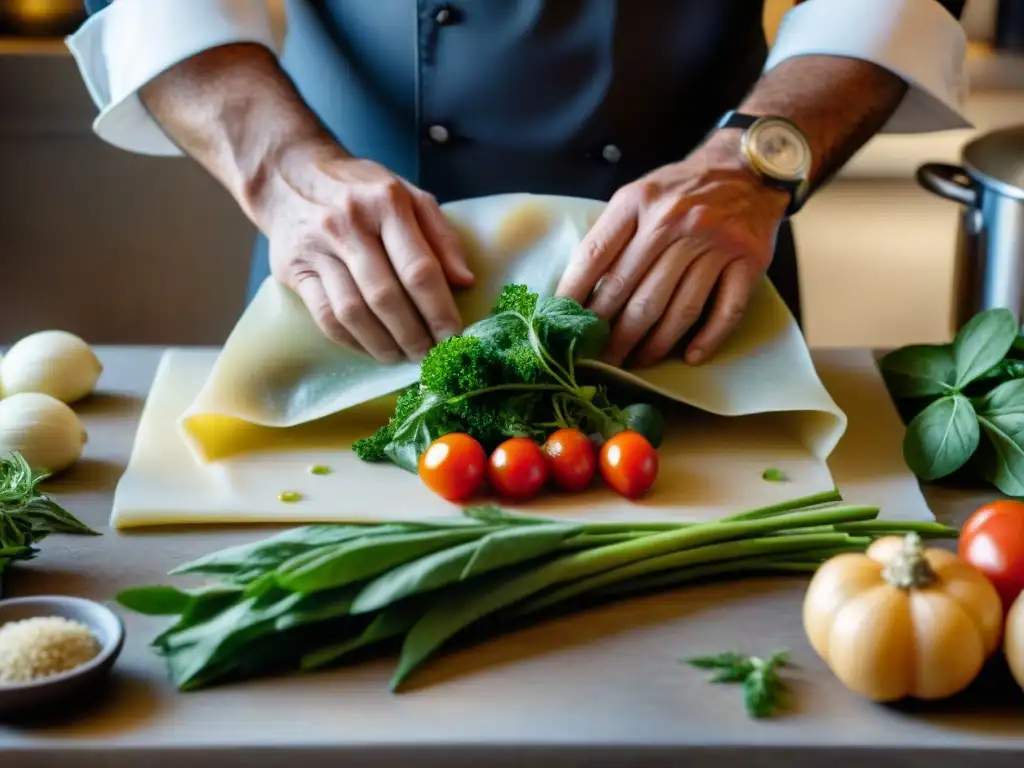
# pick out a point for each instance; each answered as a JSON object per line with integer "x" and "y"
{"x": 572, "y": 458}
{"x": 992, "y": 540}
{"x": 453, "y": 466}
{"x": 629, "y": 464}
{"x": 517, "y": 469}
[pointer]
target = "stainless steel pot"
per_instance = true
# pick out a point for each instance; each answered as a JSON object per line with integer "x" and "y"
{"x": 989, "y": 183}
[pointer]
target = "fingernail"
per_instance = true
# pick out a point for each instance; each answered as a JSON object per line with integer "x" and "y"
{"x": 695, "y": 356}
{"x": 391, "y": 356}
{"x": 446, "y": 333}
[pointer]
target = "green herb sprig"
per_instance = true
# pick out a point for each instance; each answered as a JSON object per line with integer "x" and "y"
{"x": 964, "y": 402}
{"x": 312, "y": 596}
{"x": 28, "y": 516}
{"x": 762, "y": 686}
{"x": 512, "y": 374}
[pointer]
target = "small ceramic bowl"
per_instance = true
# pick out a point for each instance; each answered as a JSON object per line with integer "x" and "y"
{"x": 25, "y": 698}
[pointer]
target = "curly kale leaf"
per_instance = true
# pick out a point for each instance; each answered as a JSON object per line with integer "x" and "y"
{"x": 516, "y": 299}
{"x": 461, "y": 364}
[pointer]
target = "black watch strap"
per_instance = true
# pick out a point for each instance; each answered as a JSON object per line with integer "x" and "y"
{"x": 797, "y": 190}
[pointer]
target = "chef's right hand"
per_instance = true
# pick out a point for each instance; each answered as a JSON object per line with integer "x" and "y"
{"x": 373, "y": 257}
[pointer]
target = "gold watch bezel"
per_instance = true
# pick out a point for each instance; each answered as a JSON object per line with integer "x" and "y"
{"x": 764, "y": 168}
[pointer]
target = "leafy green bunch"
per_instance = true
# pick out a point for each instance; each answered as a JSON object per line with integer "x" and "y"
{"x": 951, "y": 395}
{"x": 26, "y": 515}
{"x": 324, "y": 595}
{"x": 513, "y": 374}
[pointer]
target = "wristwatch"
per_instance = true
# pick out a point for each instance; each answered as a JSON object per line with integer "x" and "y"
{"x": 777, "y": 151}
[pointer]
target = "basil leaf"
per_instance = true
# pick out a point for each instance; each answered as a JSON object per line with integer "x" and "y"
{"x": 414, "y": 435}
{"x": 941, "y": 438}
{"x": 983, "y": 341}
{"x": 561, "y": 323}
{"x": 1001, "y": 457}
{"x": 919, "y": 370}
{"x": 1005, "y": 399}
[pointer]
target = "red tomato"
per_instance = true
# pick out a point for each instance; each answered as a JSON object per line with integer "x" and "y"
{"x": 629, "y": 464}
{"x": 992, "y": 540}
{"x": 517, "y": 469}
{"x": 572, "y": 458}
{"x": 453, "y": 466}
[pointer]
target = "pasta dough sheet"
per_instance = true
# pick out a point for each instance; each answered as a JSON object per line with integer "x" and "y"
{"x": 225, "y": 433}
{"x": 711, "y": 465}
{"x": 278, "y": 370}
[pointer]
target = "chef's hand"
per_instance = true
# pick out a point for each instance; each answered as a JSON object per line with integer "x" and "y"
{"x": 371, "y": 256}
{"x": 699, "y": 231}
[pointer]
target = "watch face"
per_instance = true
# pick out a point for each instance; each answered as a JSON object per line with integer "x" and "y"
{"x": 780, "y": 149}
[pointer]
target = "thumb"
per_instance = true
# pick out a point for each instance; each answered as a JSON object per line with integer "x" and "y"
{"x": 444, "y": 240}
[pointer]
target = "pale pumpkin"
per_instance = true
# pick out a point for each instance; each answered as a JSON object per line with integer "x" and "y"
{"x": 902, "y": 621}
{"x": 1013, "y": 644}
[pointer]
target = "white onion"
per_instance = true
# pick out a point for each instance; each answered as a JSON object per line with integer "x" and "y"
{"x": 55, "y": 363}
{"x": 43, "y": 429}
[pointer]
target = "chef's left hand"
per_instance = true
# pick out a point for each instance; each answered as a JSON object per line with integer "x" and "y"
{"x": 688, "y": 233}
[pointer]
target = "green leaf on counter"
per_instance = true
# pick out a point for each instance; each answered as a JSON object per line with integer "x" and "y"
{"x": 762, "y": 686}
{"x": 941, "y": 438}
{"x": 367, "y": 557}
{"x": 773, "y": 475}
{"x": 248, "y": 560}
{"x": 501, "y": 548}
{"x": 393, "y": 621}
{"x": 28, "y": 516}
{"x": 158, "y": 600}
{"x": 920, "y": 370}
{"x": 983, "y": 341}
{"x": 1001, "y": 458}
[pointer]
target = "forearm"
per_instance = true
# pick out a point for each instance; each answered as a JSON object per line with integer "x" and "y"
{"x": 236, "y": 112}
{"x": 839, "y": 103}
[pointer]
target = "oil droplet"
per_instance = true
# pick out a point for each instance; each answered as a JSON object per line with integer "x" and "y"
{"x": 319, "y": 469}
{"x": 289, "y": 497}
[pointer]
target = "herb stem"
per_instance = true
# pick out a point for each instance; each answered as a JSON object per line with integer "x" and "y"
{"x": 817, "y": 499}
{"x": 724, "y": 551}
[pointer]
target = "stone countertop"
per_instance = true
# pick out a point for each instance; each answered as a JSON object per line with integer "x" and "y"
{"x": 601, "y": 687}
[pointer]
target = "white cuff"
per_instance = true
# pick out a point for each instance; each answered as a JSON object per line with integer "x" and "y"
{"x": 130, "y": 42}
{"x": 918, "y": 40}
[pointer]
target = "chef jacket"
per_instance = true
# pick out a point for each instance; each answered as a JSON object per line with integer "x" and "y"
{"x": 480, "y": 97}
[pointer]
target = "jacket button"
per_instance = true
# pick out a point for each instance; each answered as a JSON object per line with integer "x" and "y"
{"x": 438, "y": 134}
{"x": 611, "y": 153}
{"x": 443, "y": 15}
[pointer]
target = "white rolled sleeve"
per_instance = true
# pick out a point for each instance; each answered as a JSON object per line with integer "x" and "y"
{"x": 127, "y": 44}
{"x": 917, "y": 40}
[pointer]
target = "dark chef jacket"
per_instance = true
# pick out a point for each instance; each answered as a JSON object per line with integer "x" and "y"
{"x": 566, "y": 97}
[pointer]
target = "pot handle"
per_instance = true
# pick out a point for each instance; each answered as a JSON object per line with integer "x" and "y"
{"x": 948, "y": 181}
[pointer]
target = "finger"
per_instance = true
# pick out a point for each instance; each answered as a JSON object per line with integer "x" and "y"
{"x": 311, "y": 290}
{"x": 646, "y": 306}
{"x": 378, "y": 284}
{"x": 352, "y": 313}
{"x": 734, "y": 288}
{"x": 598, "y": 250}
{"x": 621, "y": 281}
{"x": 684, "y": 309}
{"x": 421, "y": 275}
{"x": 444, "y": 240}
